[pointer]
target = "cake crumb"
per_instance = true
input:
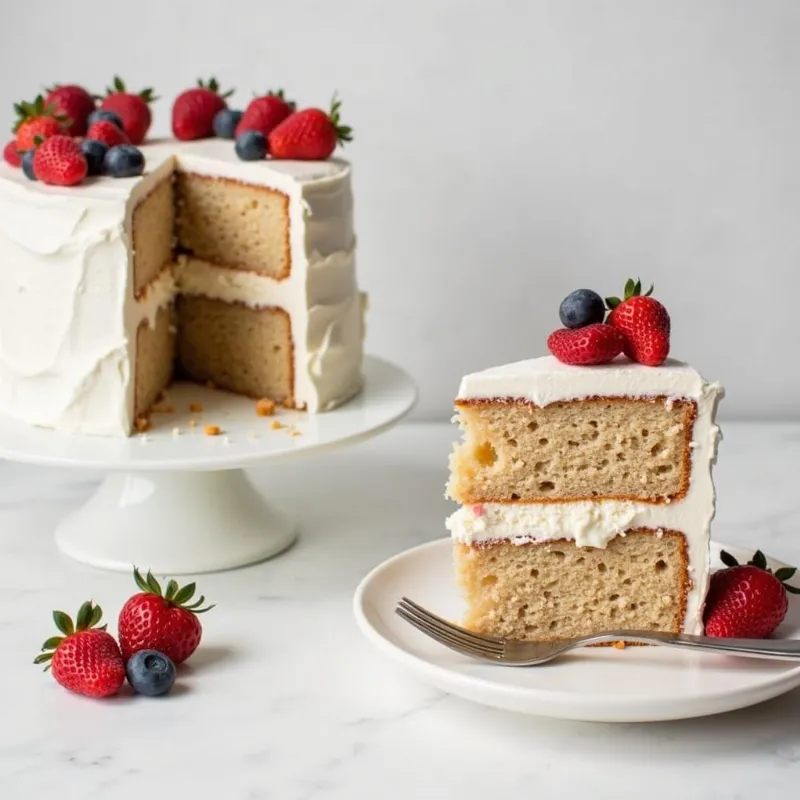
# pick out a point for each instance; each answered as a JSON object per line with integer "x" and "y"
{"x": 142, "y": 424}
{"x": 265, "y": 407}
{"x": 296, "y": 433}
{"x": 192, "y": 423}
{"x": 275, "y": 425}
{"x": 212, "y": 430}
{"x": 176, "y": 432}
{"x": 619, "y": 645}
{"x": 196, "y": 408}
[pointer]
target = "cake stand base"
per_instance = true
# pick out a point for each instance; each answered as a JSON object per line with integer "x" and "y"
{"x": 175, "y": 523}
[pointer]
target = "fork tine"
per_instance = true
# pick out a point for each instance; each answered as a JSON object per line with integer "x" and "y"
{"x": 452, "y": 631}
{"x": 476, "y": 638}
{"x": 444, "y": 639}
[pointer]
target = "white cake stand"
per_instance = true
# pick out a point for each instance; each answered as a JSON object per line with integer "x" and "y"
{"x": 176, "y": 500}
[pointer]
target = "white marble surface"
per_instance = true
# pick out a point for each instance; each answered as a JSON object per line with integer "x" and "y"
{"x": 286, "y": 701}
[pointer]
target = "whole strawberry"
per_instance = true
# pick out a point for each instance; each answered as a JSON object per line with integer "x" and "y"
{"x": 194, "y": 110}
{"x": 265, "y": 113}
{"x": 592, "y": 344}
{"x": 74, "y": 103}
{"x": 107, "y": 133}
{"x": 37, "y": 121}
{"x": 85, "y": 659}
{"x": 645, "y": 323}
{"x": 59, "y": 161}
{"x": 747, "y": 601}
{"x": 11, "y": 155}
{"x": 309, "y": 135}
{"x": 163, "y": 621}
{"x": 133, "y": 109}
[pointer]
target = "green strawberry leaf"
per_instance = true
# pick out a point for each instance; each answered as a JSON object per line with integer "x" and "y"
{"x": 63, "y": 623}
{"x": 629, "y": 287}
{"x": 727, "y": 559}
{"x": 97, "y": 615}
{"x": 791, "y": 589}
{"x": 758, "y": 560}
{"x": 637, "y": 289}
{"x": 84, "y": 616}
{"x": 612, "y": 302}
{"x": 650, "y": 290}
{"x": 785, "y": 573}
{"x": 52, "y": 643}
{"x": 140, "y": 581}
{"x": 153, "y": 584}
{"x": 184, "y": 594}
{"x": 172, "y": 588}
{"x": 43, "y": 658}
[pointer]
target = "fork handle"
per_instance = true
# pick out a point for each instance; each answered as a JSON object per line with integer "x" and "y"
{"x": 780, "y": 649}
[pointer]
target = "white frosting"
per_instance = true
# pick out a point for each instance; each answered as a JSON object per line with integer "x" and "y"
{"x": 547, "y": 380}
{"x": 595, "y": 524}
{"x": 68, "y": 318}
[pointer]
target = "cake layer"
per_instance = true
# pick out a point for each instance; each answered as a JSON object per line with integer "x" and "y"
{"x": 558, "y": 590}
{"x": 326, "y": 313}
{"x": 241, "y": 349}
{"x": 613, "y": 447}
{"x": 152, "y": 226}
{"x": 155, "y": 345}
{"x": 232, "y": 223}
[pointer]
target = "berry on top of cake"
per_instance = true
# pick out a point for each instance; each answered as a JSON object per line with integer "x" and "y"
{"x": 637, "y": 325}
{"x": 194, "y": 110}
{"x": 133, "y": 109}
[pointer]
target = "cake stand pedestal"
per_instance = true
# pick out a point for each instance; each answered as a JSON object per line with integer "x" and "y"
{"x": 177, "y": 501}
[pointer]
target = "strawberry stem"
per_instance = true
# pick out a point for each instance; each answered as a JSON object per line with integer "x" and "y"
{"x": 344, "y": 133}
{"x": 174, "y": 594}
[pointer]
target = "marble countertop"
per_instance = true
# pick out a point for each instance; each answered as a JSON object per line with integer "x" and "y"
{"x": 285, "y": 700}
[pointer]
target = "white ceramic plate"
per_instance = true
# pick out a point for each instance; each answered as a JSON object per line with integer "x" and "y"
{"x": 638, "y": 684}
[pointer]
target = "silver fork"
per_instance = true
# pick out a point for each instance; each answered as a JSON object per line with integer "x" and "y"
{"x": 511, "y": 653}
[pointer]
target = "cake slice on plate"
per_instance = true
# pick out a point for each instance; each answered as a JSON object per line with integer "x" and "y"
{"x": 585, "y": 488}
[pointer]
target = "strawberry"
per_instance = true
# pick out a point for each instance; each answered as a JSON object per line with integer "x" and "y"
{"x": 265, "y": 113}
{"x": 309, "y": 135}
{"x": 86, "y": 659}
{"x": 73, "y": 102}
{"x": 133, "y": 109}
{"x": 592, "y": 344}
{"x": 645, "y": 323}
{"x": 37, "y": 120}
{"x": 59, "y": 161}
{"x": 194, "y": 110}
{"x": 107, "y": 133}
{"x": 11, "y": 154}
{"x": 747, "y": 601}
{"x": 163, "y": 621}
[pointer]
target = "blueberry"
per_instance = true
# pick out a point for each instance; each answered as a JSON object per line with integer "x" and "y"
{"x": 108, "y": 116}
{"x": 124, "y": 161}
{"x": 27, "y": 163}
{"x": 251, "y": 146}
{"x": 582, "y": 307}
{"x": 150, "y": 672}
{"x": 225, "y": 123}
{"x": 95, "y": 153}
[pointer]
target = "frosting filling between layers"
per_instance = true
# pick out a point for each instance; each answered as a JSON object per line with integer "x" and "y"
{"x": 596, "y": 523}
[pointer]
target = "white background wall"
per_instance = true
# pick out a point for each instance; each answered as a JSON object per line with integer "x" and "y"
{"x": 508, "y": 152}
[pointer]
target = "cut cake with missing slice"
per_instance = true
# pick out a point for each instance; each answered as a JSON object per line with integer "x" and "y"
{"x": 586, "y": 497}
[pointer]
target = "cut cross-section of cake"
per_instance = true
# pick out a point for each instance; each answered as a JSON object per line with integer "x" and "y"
{"x": 586, "y": 497}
